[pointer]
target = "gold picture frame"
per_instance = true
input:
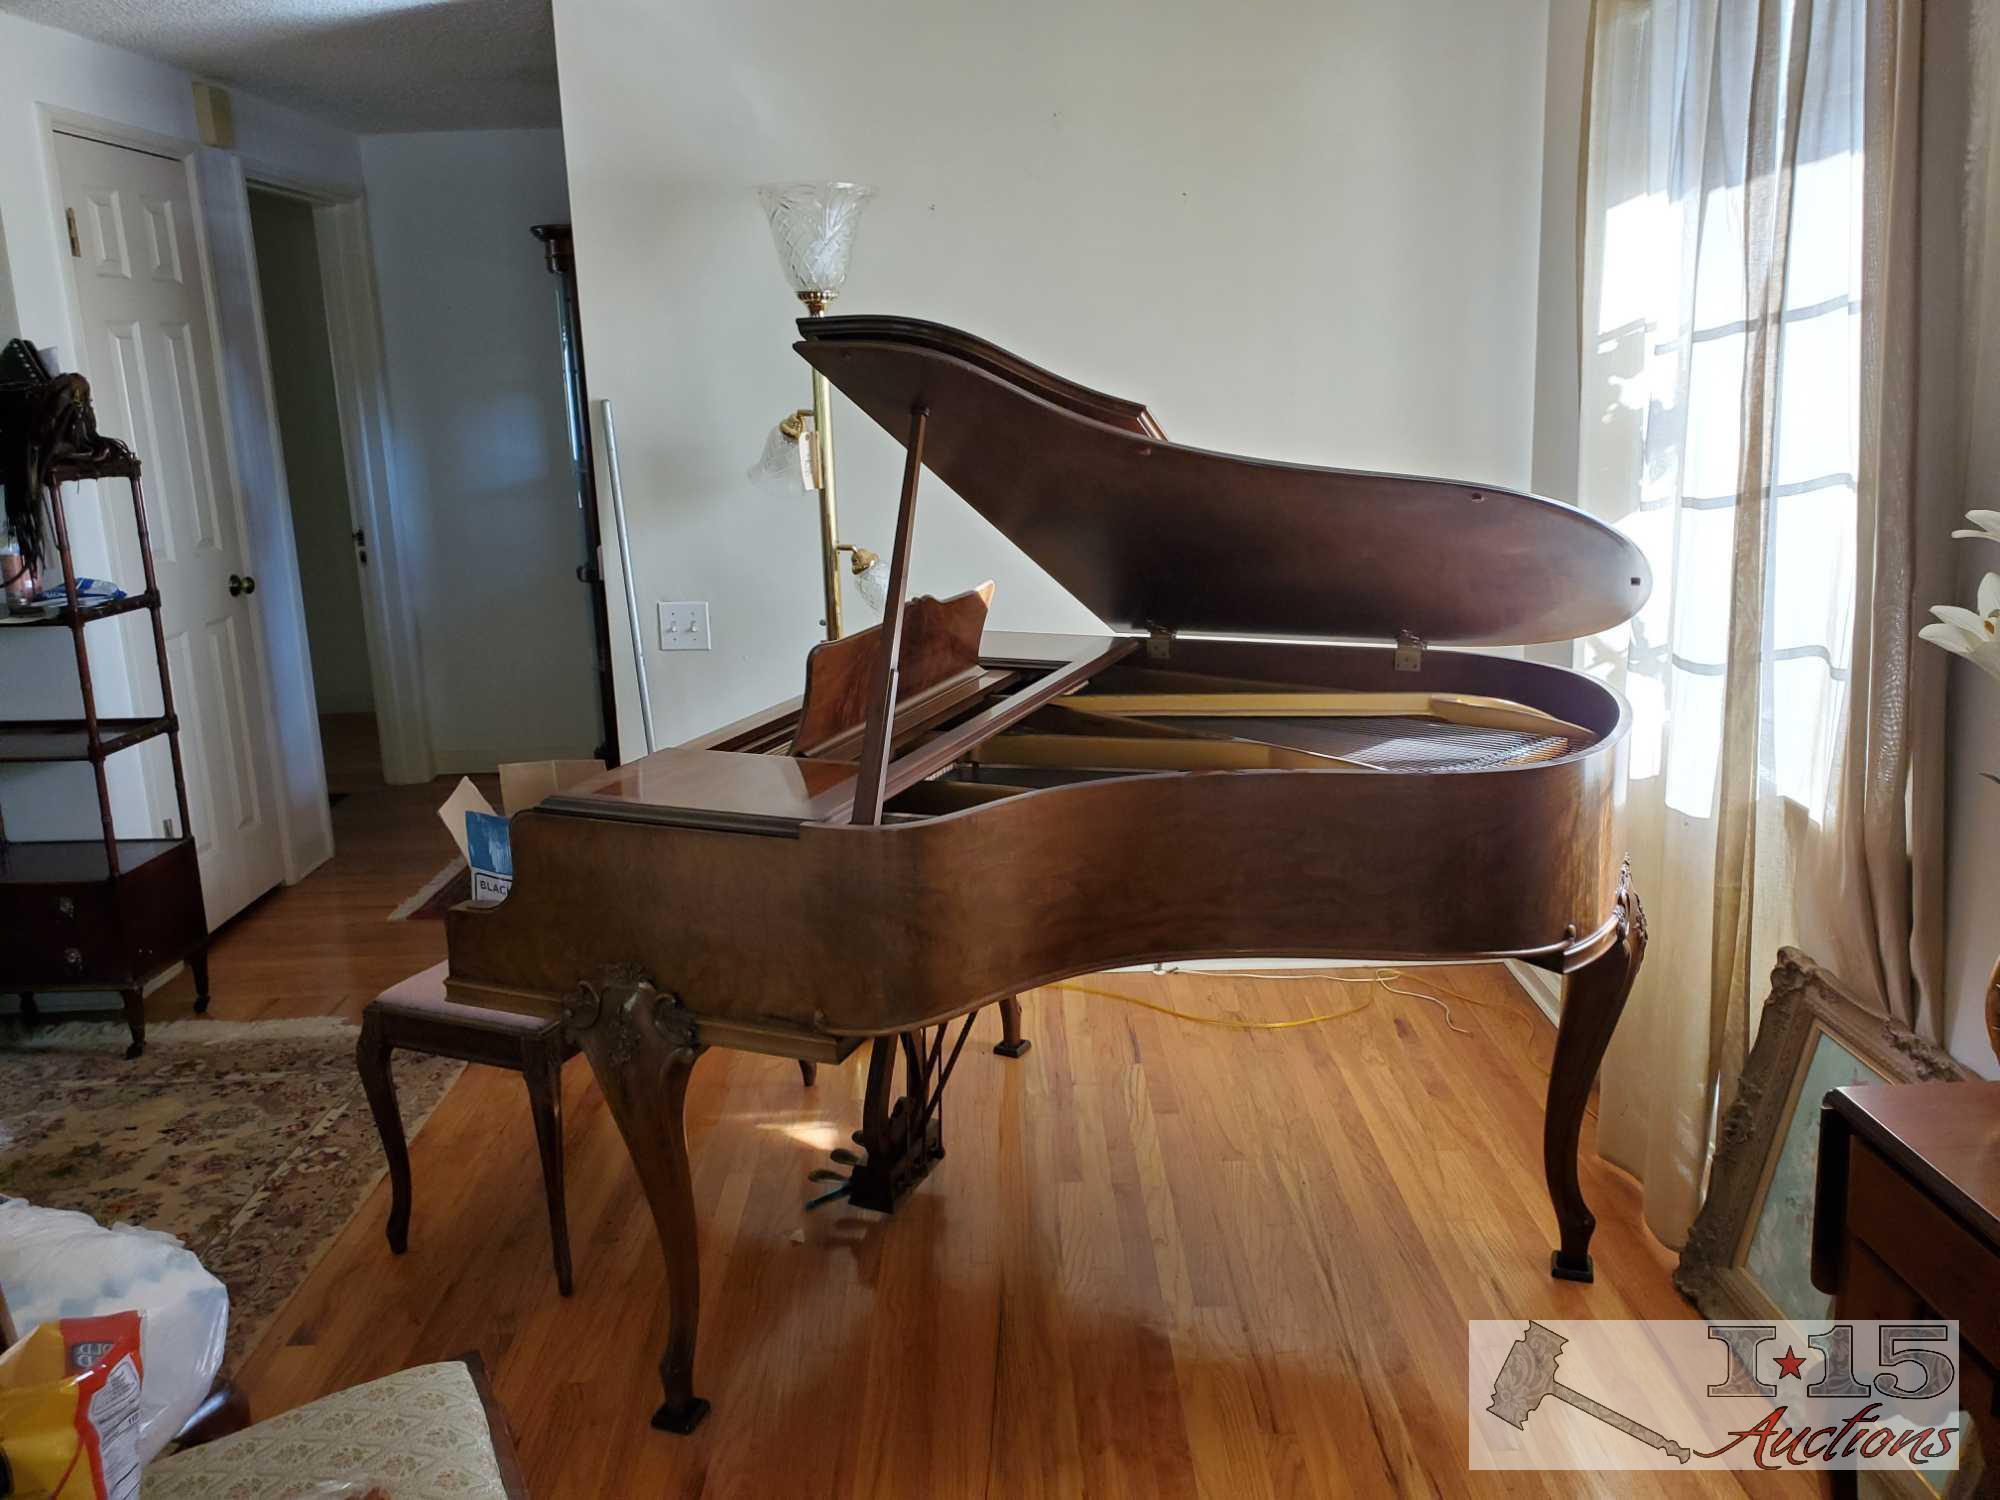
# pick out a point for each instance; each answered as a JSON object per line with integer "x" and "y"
{"x": 1748, "y": 1254}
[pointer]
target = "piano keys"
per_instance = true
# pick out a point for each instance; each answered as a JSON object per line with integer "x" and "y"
{"x": 1274, "y": 751}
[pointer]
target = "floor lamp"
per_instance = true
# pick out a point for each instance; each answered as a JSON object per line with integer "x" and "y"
{"x": 812, "y": 224}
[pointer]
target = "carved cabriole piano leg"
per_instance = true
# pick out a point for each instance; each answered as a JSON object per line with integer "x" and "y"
{"x": 1593, "y": 998}
{"x": 642, "y": 1049}
{"x": 1011, "y": 1044}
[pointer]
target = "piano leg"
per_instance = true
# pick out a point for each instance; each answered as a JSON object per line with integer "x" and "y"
{"x": 642, "y": 1060}
{"x": 1593, "y": 998}
{"x": 1011, "y": 1044}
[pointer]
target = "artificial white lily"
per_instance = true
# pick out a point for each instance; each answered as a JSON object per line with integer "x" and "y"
{"x": 1988, "y": 522}
{"x": 1974, "y": 636}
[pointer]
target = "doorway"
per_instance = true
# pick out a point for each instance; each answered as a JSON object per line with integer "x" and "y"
{"x": 143, "y": 320}
{"x": 331, "y": 542}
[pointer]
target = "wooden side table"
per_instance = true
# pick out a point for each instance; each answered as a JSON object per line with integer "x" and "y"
{"x": 1906, "y": 1223}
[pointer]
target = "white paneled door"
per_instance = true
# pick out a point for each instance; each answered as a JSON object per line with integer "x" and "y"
{"x": 149, "y": 354}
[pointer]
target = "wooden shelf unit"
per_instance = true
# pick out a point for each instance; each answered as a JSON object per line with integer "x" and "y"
{"x": 107, "y": 913}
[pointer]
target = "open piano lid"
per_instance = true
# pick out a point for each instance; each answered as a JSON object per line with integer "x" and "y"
{"x": 1149, "y": 534}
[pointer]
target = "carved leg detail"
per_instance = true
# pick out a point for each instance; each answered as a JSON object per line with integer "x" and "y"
{"x": 1593, "y": 998}
{"x": 371, "y": 1056}
{"x": 643, "y": 1051}
{"x": 1011, "y": 1044}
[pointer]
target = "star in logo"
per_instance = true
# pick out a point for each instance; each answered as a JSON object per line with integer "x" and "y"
{"x": 1791, "y": 1364}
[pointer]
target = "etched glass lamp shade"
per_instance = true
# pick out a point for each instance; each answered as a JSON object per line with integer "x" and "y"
{"x": 871, "y": 581}
{"x": 786, "y": 464}
{"x": 812, "y": 224}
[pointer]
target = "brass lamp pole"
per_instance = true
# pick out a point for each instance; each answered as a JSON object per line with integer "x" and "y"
{"x": 812, "y": 224}
{"x": 829, "y": 518}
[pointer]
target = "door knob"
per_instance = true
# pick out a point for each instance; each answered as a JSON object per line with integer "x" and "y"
{"x": 240, "y": 584}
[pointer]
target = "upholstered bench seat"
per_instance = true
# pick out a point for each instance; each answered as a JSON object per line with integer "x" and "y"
{"x": 430, "y": 1433}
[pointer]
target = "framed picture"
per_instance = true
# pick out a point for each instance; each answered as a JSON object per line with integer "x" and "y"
{"x": 1748, "y": 1255}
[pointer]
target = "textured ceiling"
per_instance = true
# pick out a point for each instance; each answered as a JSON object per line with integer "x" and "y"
{"x": 370, "y": 65}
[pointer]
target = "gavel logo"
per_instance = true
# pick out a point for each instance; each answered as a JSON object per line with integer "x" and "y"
{"x": 1529, "y": 1374}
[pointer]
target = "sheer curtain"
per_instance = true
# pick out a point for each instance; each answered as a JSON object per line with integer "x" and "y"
{"x": 1728, "y": 353}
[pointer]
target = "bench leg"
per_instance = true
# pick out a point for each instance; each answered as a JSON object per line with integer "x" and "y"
{"x": 371, "y": 1055}
{"x": 541, "y": 1065}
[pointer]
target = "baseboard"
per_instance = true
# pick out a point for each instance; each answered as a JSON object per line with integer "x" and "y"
{"x": 1542, "y": 987}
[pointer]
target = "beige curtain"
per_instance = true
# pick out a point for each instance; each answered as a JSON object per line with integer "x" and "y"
{"x": 1872, "y": 902}
{"x": 1739, "y": 232}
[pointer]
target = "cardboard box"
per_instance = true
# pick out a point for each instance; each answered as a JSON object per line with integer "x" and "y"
{"x": 481, "y": 833}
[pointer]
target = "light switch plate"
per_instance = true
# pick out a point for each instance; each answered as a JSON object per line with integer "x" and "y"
{"x": 684, "y": 625}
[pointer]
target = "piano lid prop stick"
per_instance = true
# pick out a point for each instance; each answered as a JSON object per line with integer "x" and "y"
{"x": 874, "y": 773}
{"x": 625, "y": 568}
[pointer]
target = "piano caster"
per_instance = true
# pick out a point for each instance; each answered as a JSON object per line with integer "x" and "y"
{"x": 1012, "y": 1043}
{"x": 1572, "y": 1268}
{"x": 681, "y": 1417}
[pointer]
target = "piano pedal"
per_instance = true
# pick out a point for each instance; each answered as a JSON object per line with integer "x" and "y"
{"x": 825, "y": 1198}
{"x": 845, "y": 1157}
{"x": 825, "y": 1174}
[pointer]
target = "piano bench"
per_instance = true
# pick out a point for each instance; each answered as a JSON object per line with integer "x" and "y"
{"x": 416, "y": 1016}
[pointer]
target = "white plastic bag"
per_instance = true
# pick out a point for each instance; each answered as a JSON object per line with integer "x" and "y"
{"x": 57, "y": 1264}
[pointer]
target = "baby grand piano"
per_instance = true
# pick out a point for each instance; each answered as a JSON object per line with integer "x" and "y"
{"x": 980, "y": 813}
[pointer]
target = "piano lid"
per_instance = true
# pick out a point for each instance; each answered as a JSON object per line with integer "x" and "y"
{"x": 1147, "y": 533}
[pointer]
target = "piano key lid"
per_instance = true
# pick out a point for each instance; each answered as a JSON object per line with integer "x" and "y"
{"x": 1156, "y": 538}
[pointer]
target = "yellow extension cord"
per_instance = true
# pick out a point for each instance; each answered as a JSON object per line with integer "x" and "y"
{"x": 1380, "y": 977}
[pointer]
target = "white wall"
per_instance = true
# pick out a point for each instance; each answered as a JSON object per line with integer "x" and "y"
{"x": 10, "y": 321}
{"x": 481, "y": 449}
{"x": 39, "y": 67}
{"x": 1299, "y": 230}
{"x": 295, "y": 323}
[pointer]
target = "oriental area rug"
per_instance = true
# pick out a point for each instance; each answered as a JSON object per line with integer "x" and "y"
{"x": 248, "y": 1141}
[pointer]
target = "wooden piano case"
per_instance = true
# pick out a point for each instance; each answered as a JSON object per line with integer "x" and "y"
{"x": 947, "y": 815}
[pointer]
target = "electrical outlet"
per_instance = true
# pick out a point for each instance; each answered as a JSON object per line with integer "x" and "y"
{"x": 684, "y": 625}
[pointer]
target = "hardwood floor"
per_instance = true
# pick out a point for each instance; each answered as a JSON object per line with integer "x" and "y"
{"x": 1160, "y": 1259}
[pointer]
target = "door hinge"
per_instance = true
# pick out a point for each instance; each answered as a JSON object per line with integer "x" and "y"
{"x": 1159, "y": 642}
{"x": 1409, "y": 652}
{"x": 75, "y": 240}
